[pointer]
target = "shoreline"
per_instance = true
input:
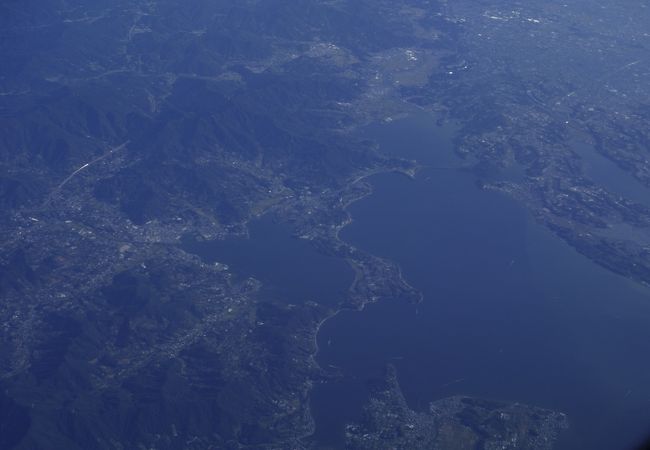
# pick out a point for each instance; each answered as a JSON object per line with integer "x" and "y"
{"x": 410, "y": 174}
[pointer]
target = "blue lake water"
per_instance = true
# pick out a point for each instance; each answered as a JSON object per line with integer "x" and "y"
{"x": 607, "y": 174}
{"x": 290, "y": 269}
{"x": 509, "y": 313}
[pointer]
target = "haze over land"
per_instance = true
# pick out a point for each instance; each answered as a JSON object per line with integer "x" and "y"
{"x": 129, "y": 127}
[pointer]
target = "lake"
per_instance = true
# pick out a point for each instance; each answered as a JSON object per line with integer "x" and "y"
{"x": 510, "y": 312}
{"x": 609, "y": 175}
{"x": 290, "y": 269}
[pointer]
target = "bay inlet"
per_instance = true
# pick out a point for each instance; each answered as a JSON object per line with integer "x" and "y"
{"x": 510, "y": 311}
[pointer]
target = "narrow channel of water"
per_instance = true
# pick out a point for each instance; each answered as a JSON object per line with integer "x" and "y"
{"x": 510, "y": 312}
{"x": 607, "y": 174}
